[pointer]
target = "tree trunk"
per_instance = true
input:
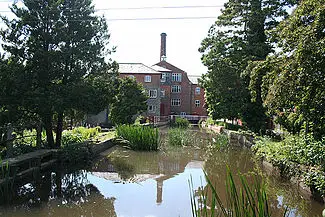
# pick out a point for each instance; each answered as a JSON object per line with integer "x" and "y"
{"x": 39, "y": 135}
{"x": 9, "y": 141}
{"x": 59, "y": 129}
{"x": 48, "y": 128}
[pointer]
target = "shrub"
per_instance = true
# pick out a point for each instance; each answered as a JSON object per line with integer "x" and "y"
{"x": 139, "y": 137}
{"x": 76, "y": 153}
{"x": 79, "y": 135}
{"x": 294, "y": 151}
{"x": 181, "y": 122}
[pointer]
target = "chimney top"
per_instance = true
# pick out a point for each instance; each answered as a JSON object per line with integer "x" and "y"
{"x": 163, "y": 47}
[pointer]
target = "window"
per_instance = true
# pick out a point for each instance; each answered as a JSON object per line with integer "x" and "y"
{"x": 163, "y": 93}
{"x": 183, "y": 113}
{"x": 197, "y": 103}
{"x": 153, "y": 93}
{"x": 177, "y": 77}
{"x": 163, "y": 77}
{"x": 197, "y": 90}
{"x": 151, "y": 108}
{"x": 176, "y": 89}
{"x": 131, "y": 76}
{"x": 176, "y": 102}
{"x": 147, "y": 78}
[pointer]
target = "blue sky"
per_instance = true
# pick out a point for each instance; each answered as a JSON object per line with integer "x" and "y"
{"x": 139, "y": 40}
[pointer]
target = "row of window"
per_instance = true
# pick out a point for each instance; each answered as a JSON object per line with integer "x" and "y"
{"x": 177, "y": 77}
{"x": 175, "y": 89}
{"x": 174, "y": 102}
{"x": 177, "y": 102}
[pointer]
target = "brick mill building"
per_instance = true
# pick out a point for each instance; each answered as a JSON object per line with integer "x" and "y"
{"x": 171, "y": 91}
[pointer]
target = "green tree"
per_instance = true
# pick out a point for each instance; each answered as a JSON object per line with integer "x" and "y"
{"x": 129, "y": 102}
{"x": 237, "y": 38}
{"x": 296, "y": 82}
{"x": 63, "y": 46}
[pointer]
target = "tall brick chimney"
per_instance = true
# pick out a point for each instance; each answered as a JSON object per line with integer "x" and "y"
{"x": 163, "y": 47}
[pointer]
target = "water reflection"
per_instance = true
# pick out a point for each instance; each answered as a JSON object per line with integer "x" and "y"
{"x": 128, "y": 183}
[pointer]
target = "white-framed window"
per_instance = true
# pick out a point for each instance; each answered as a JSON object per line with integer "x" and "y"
{"x": 197, "y": 103}
{"x": 183, "y": 113}
{"x": 197, "y": 90}
{"x": 176, "y": 102}
{"x": 162, "y": 93}
{"x": 147, "y": 78}
{"x": 163, "y": 77}
{"x": 151, "y": 108}
{"x": 131, "y": 76}
{"x": 176, "y": 88}
{"x": 152, "y": 93}
{"x": 177, "y": 77}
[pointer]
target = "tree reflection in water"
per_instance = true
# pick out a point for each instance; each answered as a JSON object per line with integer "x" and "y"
{"x": 59, "y": 194}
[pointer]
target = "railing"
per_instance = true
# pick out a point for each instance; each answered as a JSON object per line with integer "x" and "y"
{"x": 189, "y": 117}
{"x": 164, "y": 120}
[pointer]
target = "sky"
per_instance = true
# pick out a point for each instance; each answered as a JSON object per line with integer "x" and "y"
{"x": 138, "y": 41}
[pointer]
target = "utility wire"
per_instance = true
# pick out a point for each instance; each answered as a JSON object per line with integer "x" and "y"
{"x": 147, "y": 8}
{"x": 140, "y": 19}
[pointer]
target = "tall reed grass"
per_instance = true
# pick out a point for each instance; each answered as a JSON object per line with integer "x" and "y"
{"x": 139, "y": 137}
{"x": 244, "y": 200}
{"x": 180, "y": 137}
{"x": 6, "y": 182}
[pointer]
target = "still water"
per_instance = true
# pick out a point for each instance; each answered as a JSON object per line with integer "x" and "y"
{"x": 146, "y": 184}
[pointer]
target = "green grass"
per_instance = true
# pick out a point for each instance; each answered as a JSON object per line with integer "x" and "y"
{"x": 139, "y": 137}
{"x": 243, "y": 200}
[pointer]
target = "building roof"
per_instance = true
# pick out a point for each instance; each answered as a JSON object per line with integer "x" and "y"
{"x": 136, "y": 68}
{"x": 194, "y": 78}
{"x": 160, "y": 69}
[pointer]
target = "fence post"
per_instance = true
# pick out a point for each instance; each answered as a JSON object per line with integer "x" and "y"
{"x": 9, "y": 141}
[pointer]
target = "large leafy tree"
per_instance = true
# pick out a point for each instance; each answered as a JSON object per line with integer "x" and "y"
{"x": 294, "y": 87}
{"x": 238, "y": 38}
{"x": 130, "y": 101}
{"x": 62, "y": 46}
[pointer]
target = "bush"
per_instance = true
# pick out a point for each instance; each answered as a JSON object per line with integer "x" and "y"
{"x": 75, "y": 153}
{"x": 139, "y": 137}
{"x": 181, "y": 122}
{"x": 294, "y": 151}
{"x": 79, "y": 135}
{"x": 180, "y": 137}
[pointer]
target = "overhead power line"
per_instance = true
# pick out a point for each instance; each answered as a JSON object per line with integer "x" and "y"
{"x": 147, "y": 8}
{"x": 142, "y": 19}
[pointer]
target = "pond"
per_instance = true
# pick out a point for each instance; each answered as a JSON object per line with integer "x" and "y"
{"x": 147, "y": 184}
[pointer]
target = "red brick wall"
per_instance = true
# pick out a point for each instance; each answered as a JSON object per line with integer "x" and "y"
{"x": 155, "y": 79}
{"x": 201, "y": 110}
{"x": 184, "y": 95}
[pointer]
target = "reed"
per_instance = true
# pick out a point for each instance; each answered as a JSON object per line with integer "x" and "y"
{"x": 243, "y": 200}
{"x": 180, "y": 137}
{"x": 139, "y": 137}
{"x": 6, "y": 182}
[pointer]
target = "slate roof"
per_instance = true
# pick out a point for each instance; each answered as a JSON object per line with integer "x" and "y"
{"x": 194, "y": 78}
{"x": 160, "y": 69}
{"x": 136, "y": 68}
